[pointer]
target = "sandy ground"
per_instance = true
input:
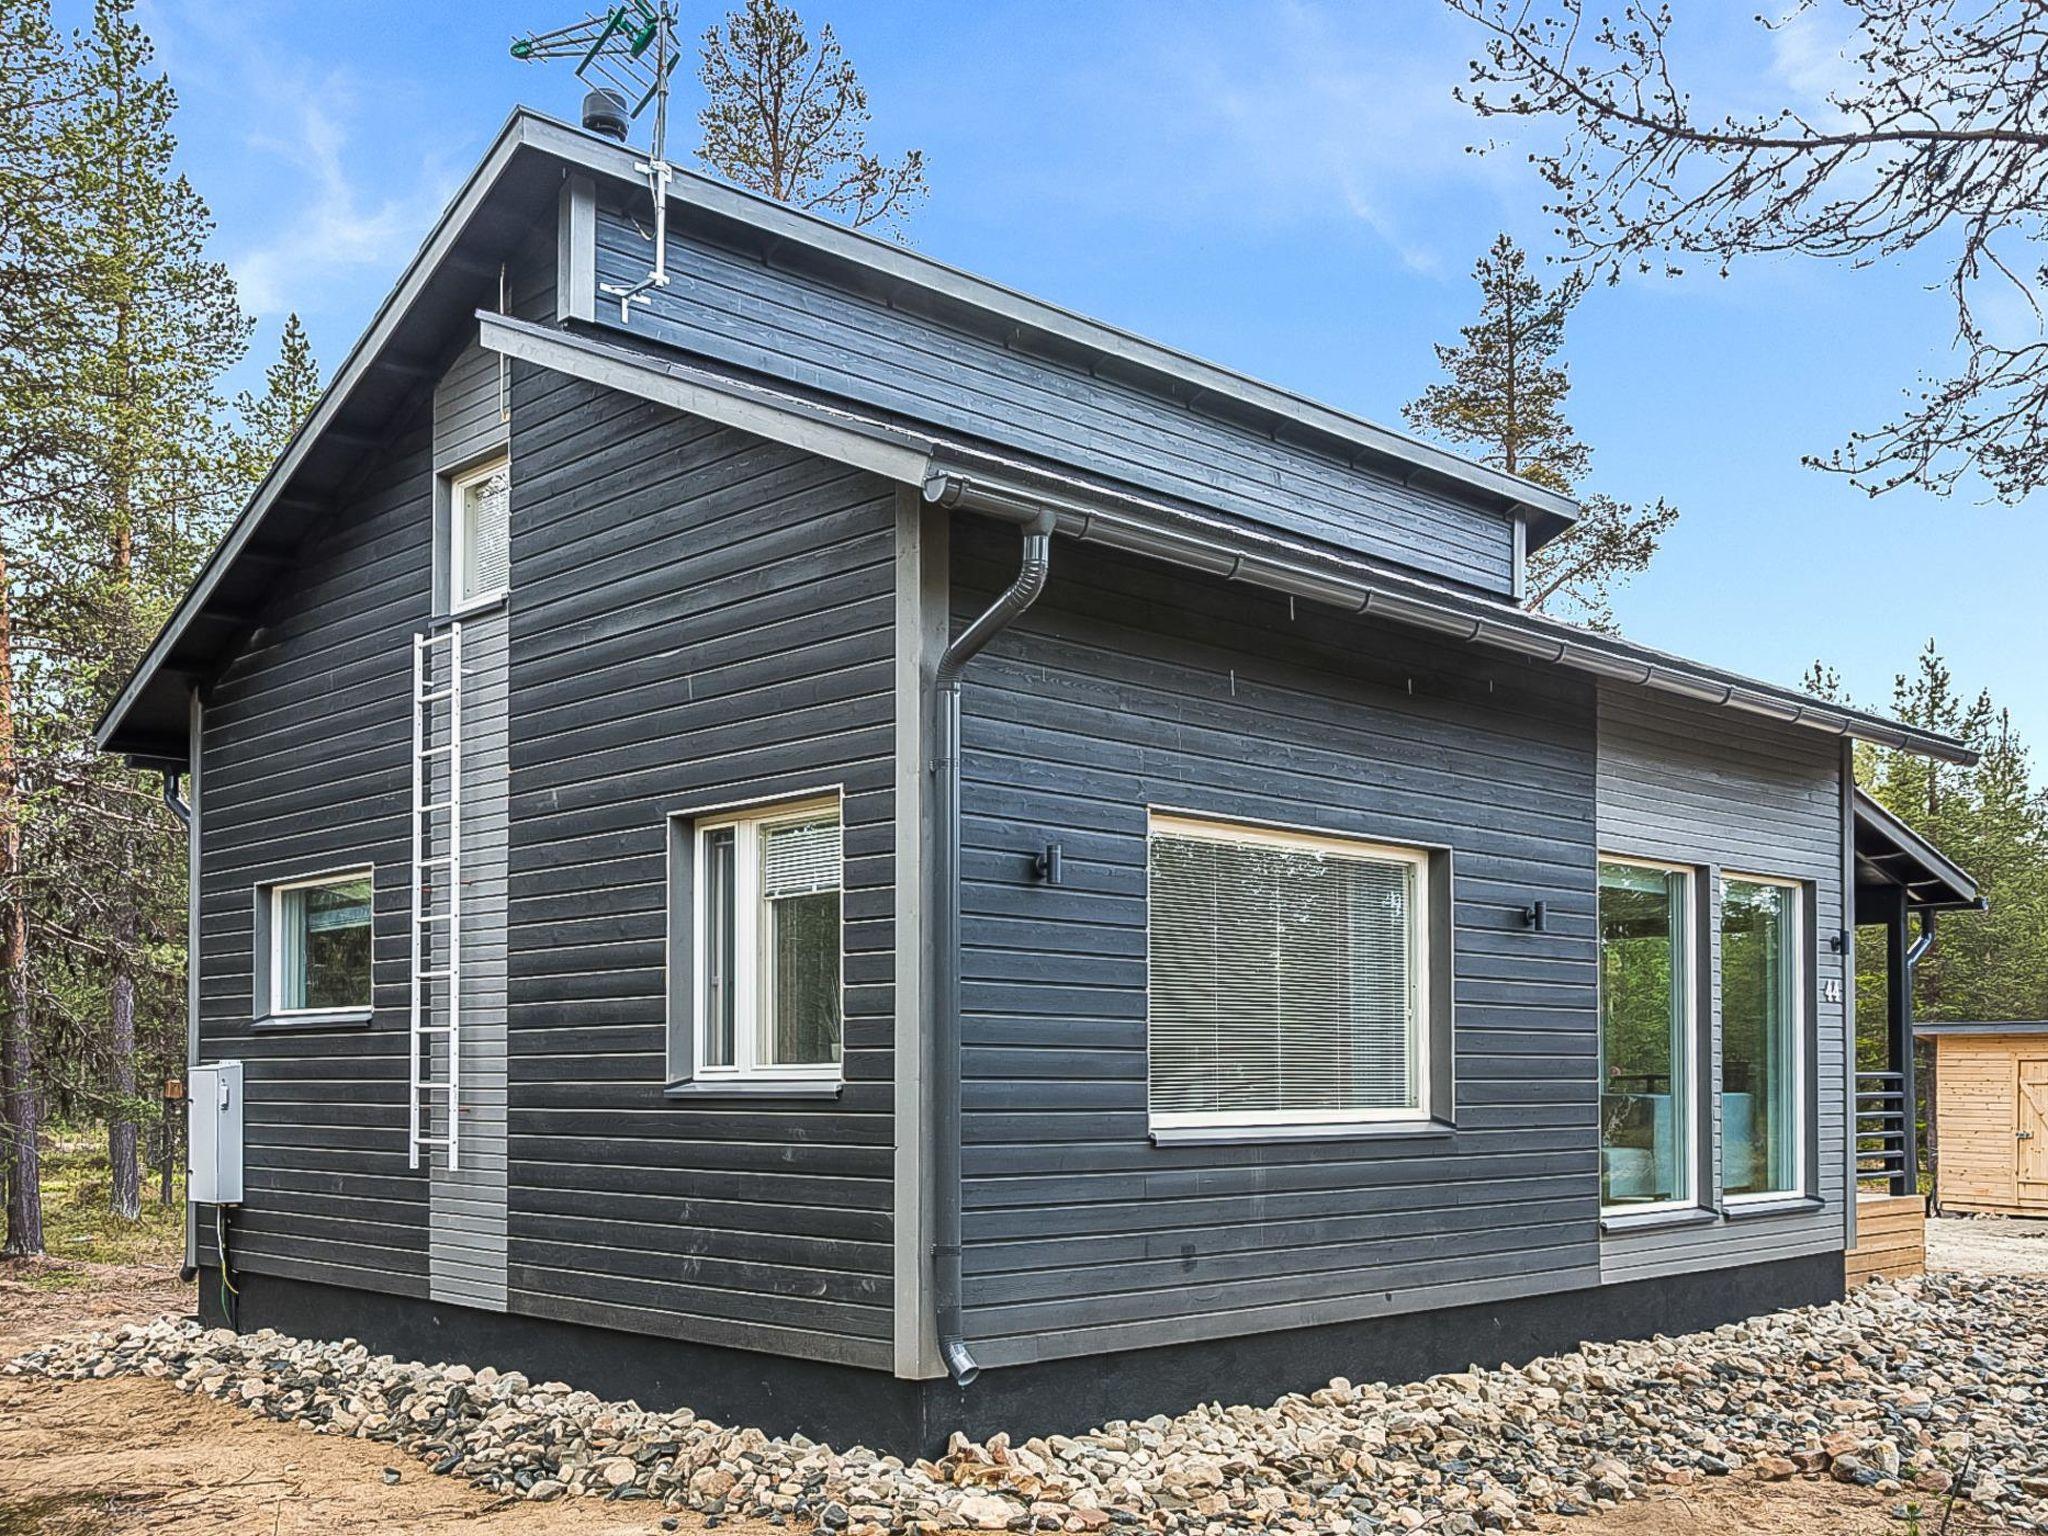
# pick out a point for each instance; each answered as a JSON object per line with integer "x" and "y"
{"x": 114, "y": 1457}
{"x": 1988, "y": 1245}
{"x": 106, "y": 1458}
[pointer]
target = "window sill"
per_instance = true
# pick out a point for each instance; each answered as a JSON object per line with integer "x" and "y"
{"x": 475, "y": 607}
{"x": 1337, "y": 1130}
{"x": 1789, "y": 1205}
{"x": 1618, "y": 1222}
{"x": 752, "y": 1088}
{"x": 294, "y": 1023}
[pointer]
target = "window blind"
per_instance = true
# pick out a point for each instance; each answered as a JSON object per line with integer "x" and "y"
{"x": 487, "y": 563}
{"x": 1283, "y": 980}
{"x": 799, "y": 858}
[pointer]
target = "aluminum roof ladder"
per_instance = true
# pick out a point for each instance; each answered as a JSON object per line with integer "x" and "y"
{"x": 435, "y": 1074}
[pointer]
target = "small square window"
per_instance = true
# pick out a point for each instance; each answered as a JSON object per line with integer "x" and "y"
{"x": 1290, "y": 979}
{"x": 320, "y": 945}
{"x": 480, "y": 554}
{"x": 765, "y": 944}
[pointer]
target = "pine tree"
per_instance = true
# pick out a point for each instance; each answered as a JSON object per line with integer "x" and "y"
{"x": 291, "y": 386}
{"x": 1503, "y": 398}
{"x": 37, "y": 89}
{"x": 155, "y": 324}
{"x": 789, "y": 119}
{"x": 1990, "y": 819}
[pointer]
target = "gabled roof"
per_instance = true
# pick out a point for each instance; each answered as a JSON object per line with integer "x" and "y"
{"x": 513, "y": 192}
{"x": 1890, "y": 853}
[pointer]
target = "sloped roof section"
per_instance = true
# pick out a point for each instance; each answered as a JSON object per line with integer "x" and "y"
{"x": 1890, "y": 853}
{"x": 961, "y": 473}
{"x": 451, "y": 282}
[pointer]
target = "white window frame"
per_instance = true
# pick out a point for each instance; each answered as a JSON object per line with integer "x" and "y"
{"x": 1421, "y": 920}
{"x": 1802, "y": 1035}
{"x": 745, "y": 822}
{"x": 457, "y": 571}
{"x": 1694, "y": 944}
{"x": 276, "y": 946}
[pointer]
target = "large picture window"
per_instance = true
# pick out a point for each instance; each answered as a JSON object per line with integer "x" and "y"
{"x": 480, "y": 547}
{"x": 767, "y": 944}
{"x": 1288, "y": 978}
{"x": 320, "y": 946}
{"x": 1763, "y": 1039}
{"x": 1646, "y": 1036}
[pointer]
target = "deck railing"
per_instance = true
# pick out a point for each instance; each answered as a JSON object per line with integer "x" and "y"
{"x": 1885, "y": 1141}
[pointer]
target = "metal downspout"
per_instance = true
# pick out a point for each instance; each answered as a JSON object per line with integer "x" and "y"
{"x": 1034, "y": 564}
{"x": 174, "y": 800}
{"x": 1922, "y": 944}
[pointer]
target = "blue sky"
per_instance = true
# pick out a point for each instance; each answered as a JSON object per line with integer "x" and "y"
{"x": 1283, "y": 188}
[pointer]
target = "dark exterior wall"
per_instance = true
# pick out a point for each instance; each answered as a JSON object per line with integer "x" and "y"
{"x": 1694, "y": 785}
{"x": 809, "y": 331}
{"x": 306, "y": 767}
{"x": 1132, "y": 685}
{"x": 699, "y": 617}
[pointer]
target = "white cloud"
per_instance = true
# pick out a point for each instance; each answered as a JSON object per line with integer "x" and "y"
{"x": 1290, "y": 116}
{"x": 335, "y": 224}
{"x": 336, "y": 214}
{"x": 1813, "y": 54}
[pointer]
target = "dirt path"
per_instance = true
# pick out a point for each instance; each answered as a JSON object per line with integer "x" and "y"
{"x": 105, "y": 1458}
{"x": 1988, "y": 1245}
{"x": 1798, "y": 1508}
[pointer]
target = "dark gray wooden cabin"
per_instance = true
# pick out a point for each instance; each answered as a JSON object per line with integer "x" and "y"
{"x": 1223, "y": 1012}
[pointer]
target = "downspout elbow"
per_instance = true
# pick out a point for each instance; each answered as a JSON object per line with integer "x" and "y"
{"x": 180, "y": 807}
{"x": 1922, "y": 944}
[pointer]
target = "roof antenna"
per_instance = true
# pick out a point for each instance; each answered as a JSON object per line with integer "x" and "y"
{"x": 625, "y": 55}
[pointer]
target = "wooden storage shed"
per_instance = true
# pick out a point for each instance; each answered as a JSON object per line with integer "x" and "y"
{"x": 1991, "y": 1117}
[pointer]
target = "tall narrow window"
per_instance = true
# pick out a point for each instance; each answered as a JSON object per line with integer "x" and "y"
{"x": 768, "y": 951}
{"x": 480, "y": 548}
{"x": 1288, "y": 981}
{"x": 1763, "y": 1040}
{"x": 320, "y": 946}
{"x": 1646, "y": 1036}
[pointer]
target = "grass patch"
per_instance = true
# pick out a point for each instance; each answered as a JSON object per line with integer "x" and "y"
{"x": 80, "y": 1226}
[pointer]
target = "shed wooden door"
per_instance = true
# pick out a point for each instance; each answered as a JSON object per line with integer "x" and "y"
{"x": 2032, "y": 1124}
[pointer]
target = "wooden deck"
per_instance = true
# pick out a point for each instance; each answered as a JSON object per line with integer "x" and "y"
{"x": 1891, "y": 1238}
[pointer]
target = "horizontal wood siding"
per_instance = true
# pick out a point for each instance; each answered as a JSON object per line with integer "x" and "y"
{"x": 467, "y": 1246}
{"x": 1977, "y": 1116}
{"x": 699, "y": 616}
{"x": 809, "y": 331}
{"x": 307, "y": 768}
{"x": 1697, "y": 785}
{"x": 1131, "y": 686}
{"x": 1891, "y": 1239}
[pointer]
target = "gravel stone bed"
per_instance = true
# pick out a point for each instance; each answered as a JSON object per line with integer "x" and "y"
{"x": 1925, "y": 1388}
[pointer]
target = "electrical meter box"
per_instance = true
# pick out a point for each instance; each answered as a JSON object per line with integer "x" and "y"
{"x": 214, "y": 1158}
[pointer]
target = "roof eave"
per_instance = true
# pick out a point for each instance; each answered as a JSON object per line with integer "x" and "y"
{"x": 515, "y": 134}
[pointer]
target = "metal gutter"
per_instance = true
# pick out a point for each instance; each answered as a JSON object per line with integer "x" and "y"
{"x": 1238, "y": 554}
{"x": 1033, "y": 566}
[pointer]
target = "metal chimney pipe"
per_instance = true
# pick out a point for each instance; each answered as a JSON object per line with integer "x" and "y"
{"x": 605, "y": 112}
